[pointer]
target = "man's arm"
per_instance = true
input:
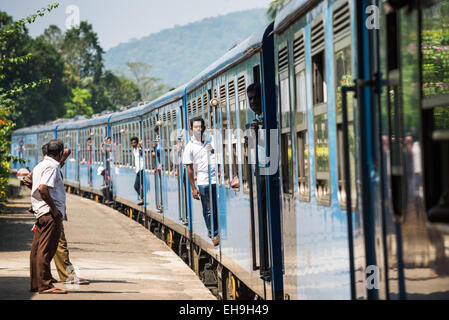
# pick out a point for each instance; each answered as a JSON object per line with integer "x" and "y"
{"x": 66, "y": 154}
{"x": 45, "y": 195}
{"x": 195, "y": 191}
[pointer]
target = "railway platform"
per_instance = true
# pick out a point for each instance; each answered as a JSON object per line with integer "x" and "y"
{"x": 121, "y": 259}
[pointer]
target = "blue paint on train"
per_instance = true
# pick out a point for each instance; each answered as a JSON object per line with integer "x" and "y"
{"x": 300, "y": 247}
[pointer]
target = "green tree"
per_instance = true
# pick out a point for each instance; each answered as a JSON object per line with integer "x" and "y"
{"x": 121, "y": 90}
{"x": 82, "y": 52}
{"x": 47, "y": 103}
{"x": 53, "y": 36}
{"x": 276, "y": 6}
{"x": 149, "y": 87}
{"x": 79, "y": 105}
{"x": 11, "y": 86}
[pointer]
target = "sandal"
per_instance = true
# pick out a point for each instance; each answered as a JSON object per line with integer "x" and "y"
{"x": 80, "y": 281}
{"x": 54, "y": 290}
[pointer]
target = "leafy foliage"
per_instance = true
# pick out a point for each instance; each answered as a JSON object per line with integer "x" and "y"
{"x": 149, "y": 87}
{"x": 13, "y": 57}
{"x": 79, "y": 103}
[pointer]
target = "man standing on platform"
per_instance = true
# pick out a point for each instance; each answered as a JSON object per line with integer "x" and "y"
{"x": 48, "y": 201}
{"x": 65, "y": 268}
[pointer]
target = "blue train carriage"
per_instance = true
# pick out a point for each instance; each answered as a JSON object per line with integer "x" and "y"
{"x": 316, "y": 54}
{"x": 243, "y": 244}
{"x": 164, "y": 192}
{"x": 122, "y": 127}
{"x": 24, "y": 145}
{"x": 404, "y": 84}
{"x": 68, "y": 133}
{"x": 89, "y": 135}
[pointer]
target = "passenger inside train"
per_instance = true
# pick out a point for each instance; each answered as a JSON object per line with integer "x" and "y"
{"x": 197, "y": 158}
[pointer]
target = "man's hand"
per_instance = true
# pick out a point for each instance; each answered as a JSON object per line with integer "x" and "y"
{"x": 66, "y": 154}
{"x": 28, "y": 180}
{"x": 196, "y": 194}
{"x": 45, "y": 195}
{"x": 209, "y": 147}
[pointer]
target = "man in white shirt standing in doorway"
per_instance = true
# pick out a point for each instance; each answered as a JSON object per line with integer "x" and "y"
{"x": 197, "y": 159}
{"x": 138, "y": 164}
{"x": 48, "y": 200}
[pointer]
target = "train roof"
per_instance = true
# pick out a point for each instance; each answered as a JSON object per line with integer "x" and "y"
{"x": 129, "y": 113}
{"x": 290, "y": 13}
{"x": 50, "y": 126}
{"x": 242, "y": 50}
{"x": 165, "y": 99}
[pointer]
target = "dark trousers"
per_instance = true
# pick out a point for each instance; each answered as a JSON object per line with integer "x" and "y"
{"x": 205, "y": 202}
{"x": 138, "y": 184}
{"x": 45, "y": 243}
{"x": 89, "y": 174}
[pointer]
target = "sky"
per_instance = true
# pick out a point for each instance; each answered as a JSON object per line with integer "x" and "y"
{"x": 117, "y": 21}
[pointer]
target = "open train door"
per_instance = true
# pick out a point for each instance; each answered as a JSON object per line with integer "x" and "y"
{"x": 411, "y": 96}
{"x": 157, "y": 160}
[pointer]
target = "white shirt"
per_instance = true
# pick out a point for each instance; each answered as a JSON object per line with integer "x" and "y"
{"x": 47, "y": 172}
{"x": 195, "y": 153}
{"x": 138, "y": 159}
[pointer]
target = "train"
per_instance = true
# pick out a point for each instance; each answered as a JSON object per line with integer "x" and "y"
{"x": 355, "y": 199}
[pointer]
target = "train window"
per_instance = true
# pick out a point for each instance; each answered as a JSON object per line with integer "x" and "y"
{"x": 97, "y": 145}
{"x": 206, "y": 110}
{"x": 322, "y": 158}
{"x": 150, "y": 144}
{"x": 117, "y": 142}
{"x": 174, "y": 140}
{"x": 242, "y": 117}
{"x": 114, "y": 142}
{"x": 189, "y": 111}
{"x": 194, "y": 110}
{"x": 125, "y": 144}
{"x": 301, "y": 117}
{"x": 286, "y": 140}
{"x": 167, "y": 143}
{"x": 146, "y": 131}
{"x": 200, "y": 107}
{"x": 129, "y": 150}
{"x": 118, "y": 145}
{"x": 122, "y": 144}
{"x": 435, "y": 103}
{"x": 132, "y": 134}
{"x": 233, "y": 127}
{"x": 343, "y": 77}
{"x": 225, "y": 137}
{"x": 284, "y": 113}
{"x": 319, "y": 98}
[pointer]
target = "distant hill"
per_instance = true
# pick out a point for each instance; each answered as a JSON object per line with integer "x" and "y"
{"x": 179, "y": 53}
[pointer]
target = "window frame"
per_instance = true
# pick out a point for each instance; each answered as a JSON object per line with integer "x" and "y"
{"x": 301, "y": 128}
{"x": 320, "y": 108}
